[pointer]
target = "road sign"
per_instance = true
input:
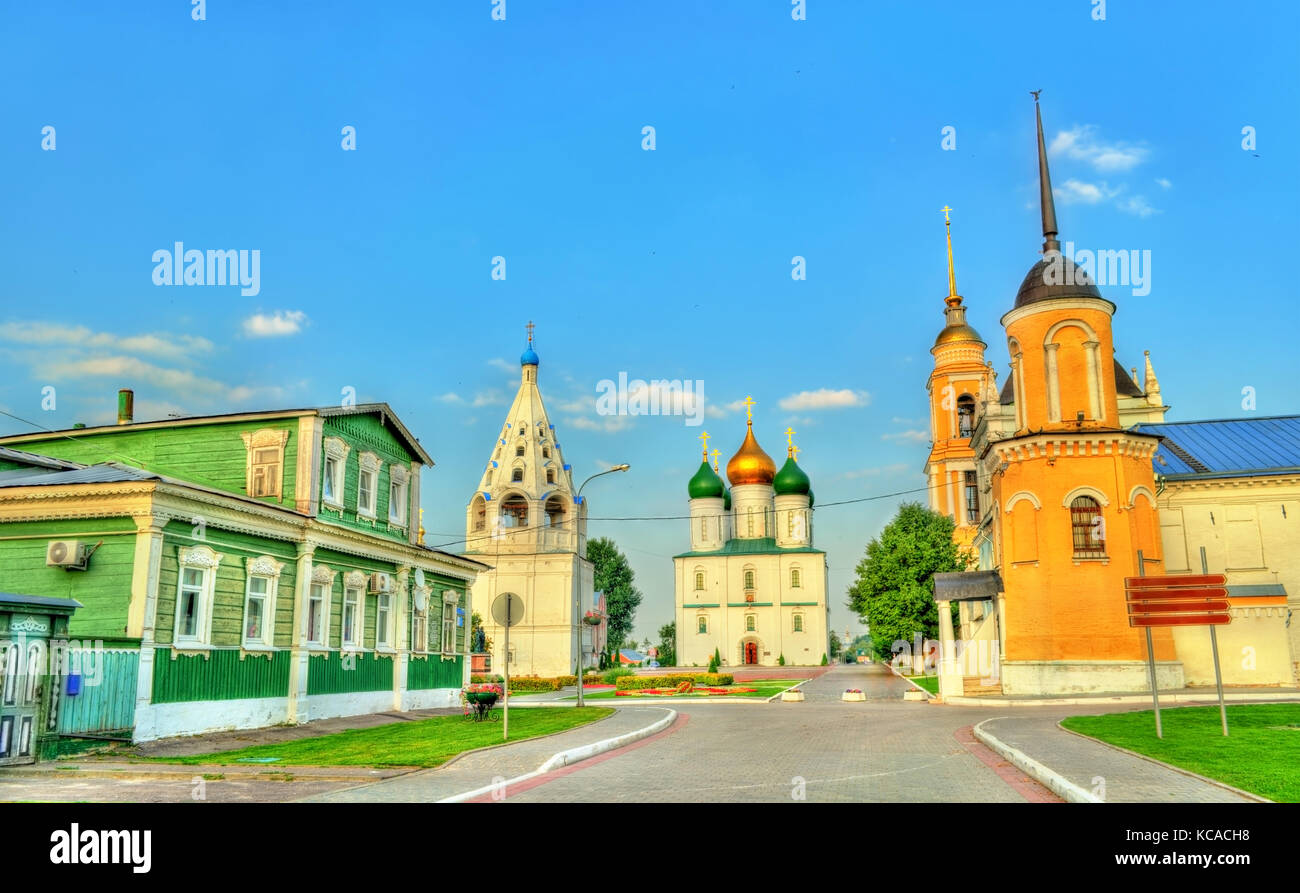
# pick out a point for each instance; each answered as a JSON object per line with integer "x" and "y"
{"x": 1182, "y": 600}
{"x": 507, "y": 609}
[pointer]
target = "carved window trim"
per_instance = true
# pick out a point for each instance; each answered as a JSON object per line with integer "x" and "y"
{"x": 369, "y": 465}
{"x": 336, "y": 449}
{"x": 399, "y": 495}
{"x": 263, "y": 567}
{"x": 203, "y": 560}
{"x": 260, "y": 441}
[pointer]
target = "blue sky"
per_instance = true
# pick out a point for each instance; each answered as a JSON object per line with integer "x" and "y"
{"x": 523, "y": 139}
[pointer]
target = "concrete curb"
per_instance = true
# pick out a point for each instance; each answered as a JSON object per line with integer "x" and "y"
{"x": 571, "y": 756}
{"x": 929, "y": 696}
{"x": 1052, "y": 780}
{"x": 1166, "y": 698}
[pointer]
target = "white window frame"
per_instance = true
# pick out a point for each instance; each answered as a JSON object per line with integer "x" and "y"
{"x": 399, "y": 494}
{"x": 355, "y": 581}
{"x": 323, "y": 577}
{"x": 796, "y": 622}
{"x": 796, "y": 578}
{"x": 701, "y": 620}
{"x": 384, "y": 621}
{"x": 420, "y": 621}
{"x": 450, "y": 602}
{"x": 371, "y": 465}
{"x": 205, "y": 561}
{"x": 263, "y": 567}
{"x": 265, "y": 439}
{"x": 336, "y": 450}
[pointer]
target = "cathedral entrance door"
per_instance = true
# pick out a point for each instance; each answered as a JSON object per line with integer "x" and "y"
{"x": 751, "y": 653}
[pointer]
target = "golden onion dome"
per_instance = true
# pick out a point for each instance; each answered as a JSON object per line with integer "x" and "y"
{"x": 960, "y": 332}
{"x": 750, "y": 465}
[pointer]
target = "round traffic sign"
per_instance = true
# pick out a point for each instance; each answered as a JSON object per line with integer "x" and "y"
{"x": 507, "y": 609}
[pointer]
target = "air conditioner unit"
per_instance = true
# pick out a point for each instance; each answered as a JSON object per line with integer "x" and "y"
{"x": 381, "y": 582}
{"x": 67, "y": 554}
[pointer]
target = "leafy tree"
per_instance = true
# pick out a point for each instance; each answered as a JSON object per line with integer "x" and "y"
{"x": 835, "y": 645}
{"x": 668, "y": 645}
{"x": 894, "y": 589}
{"x": 613, "y": 576}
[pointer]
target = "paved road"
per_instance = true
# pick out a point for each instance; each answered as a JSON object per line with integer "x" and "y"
{"x": 821, "y": 750}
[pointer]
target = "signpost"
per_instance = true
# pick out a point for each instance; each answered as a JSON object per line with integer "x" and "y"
{"x": 1181, "y": 600}
{"x": 507, "y": 610}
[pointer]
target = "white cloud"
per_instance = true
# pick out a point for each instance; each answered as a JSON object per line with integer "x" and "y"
{"x": 451, "y": 397}
{"x": 1078, "y": 192}
{"x": 607, "y": 424}
{"x": 274, "y": 325}
{"x": 490, "y": 397}
{"x": 504, "y": 365}
{"x": 1081, "y": 144}
{"x": 1138, "y": 205}
{"x": 824, "y": 398}
{"x": 914, "y": 435}
{"x": 880, "y": 471}
{"x": 1163, "y": 183}
{"x": 161, "y": 344}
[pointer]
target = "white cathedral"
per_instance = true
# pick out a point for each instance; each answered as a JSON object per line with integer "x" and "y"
{"x": 752, "y": 586}
{"x": 523, "y": 521}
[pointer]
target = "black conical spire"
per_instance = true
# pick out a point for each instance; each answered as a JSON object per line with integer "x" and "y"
{"x": 1048, "y": 205}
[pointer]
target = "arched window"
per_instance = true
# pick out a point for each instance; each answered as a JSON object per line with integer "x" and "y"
{"x": 701, "y": 624}
{"x": 550, "y": 475}
{"x": 798, "y": 623}
{"x": 546, "y": 452}
{"x": 749, "y": 518}
{"x": 749, "y": 579}
{"x": 554, "y": 511}
{"x": 794, "y": 578}
{"x": 1088, "y": 527}
{"x": 965, "y": 415}
{"x": 517, "y": 475}
{"x": 699, "y": 581}
{"x": 514, "y": 511}
{"x": 480, "y": 513}
{"x": 750, "y": 623}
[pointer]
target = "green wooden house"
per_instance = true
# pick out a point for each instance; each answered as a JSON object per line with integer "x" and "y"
{"x": 234, "y": 571}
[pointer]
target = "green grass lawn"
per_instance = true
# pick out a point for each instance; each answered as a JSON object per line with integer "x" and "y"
{"x": 1261, "y": 754}
{"x": 425, "y": 742}
{"x": 763, "y": 688}
{"x": 929, "y": 683}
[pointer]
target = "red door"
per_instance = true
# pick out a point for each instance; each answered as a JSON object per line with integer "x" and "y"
{"x": 751, "y": 653}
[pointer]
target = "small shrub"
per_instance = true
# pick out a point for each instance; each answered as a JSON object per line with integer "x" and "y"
{"x": 713, "y": 663}
{"x": 534, "y": 683}
{"x": 612, "y": 675}
{"x": 824, "y": 660}
{"x": 475, "y": 680}
{"x": 780, "y": 660}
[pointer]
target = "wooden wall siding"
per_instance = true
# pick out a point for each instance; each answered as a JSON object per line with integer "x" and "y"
{"x": 105, "y": 708}
{"x": 220, "y": 676}
{"x": 205, "y": 454}
{"x": 366, "y": 434}
{"x": 330, "y": 675}
{"x": 104, "y": 590}
{"x": 433, "y": 672}
{"x": 231, "y": 583}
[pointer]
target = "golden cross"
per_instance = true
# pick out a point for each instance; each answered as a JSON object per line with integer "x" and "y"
{"x": 794, "y": 452}
{"x": 945, "y": 209}
{"x": 749, "y": 407}
{"x": 716, "y": 453}
{"x": 789, "y": 436}
{"x": 705, "y": 438}
{"x": 530, "y": 328}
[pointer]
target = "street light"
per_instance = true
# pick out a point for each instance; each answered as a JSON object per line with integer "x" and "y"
{"x": 577, "y": 585}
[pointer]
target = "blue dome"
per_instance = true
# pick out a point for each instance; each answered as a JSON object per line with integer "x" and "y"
{"x": 529, "y": 358}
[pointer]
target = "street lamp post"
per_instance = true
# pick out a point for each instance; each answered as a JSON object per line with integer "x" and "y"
{"x": 577, "y": 578}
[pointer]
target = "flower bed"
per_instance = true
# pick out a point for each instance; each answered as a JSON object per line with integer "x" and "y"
{"x": 700, "y": 691}
{"x": 672, "y": 681}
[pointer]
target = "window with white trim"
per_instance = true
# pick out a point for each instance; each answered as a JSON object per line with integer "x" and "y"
{"x": 196, "y": 584}
{"x": 701, "y": 624}
{"x": 751, "y": 622}
{"x": 353, "y": 616}
{"x": 699, "y": 581}
{"x": 265, "y": 461}
{"x": 798, "y": 623}
{"x": 420, "y": 621}
{"x": 336, "y": 451}
{"x": 368, "y": 485}
{"x": 794, "y": 578}
{"x": 318, "y": 606}
{"x": 398, "y": 480}
{"x": 450, "y": 601}
{"x": 383, "y": 620}
{"x": 263, "y": 578}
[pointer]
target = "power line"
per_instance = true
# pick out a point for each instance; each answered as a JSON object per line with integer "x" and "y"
{"x": 75, "y": 440}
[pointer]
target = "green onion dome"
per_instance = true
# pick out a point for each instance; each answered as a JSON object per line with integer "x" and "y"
{"x": 791, "y": 479}
{"x": 706, "y": 484}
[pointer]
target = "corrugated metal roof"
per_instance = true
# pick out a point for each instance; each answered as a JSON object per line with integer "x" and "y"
{"x": 1227, "y": 447}
{"x": 35, "y": 460}
{"x": 107, "y": 473}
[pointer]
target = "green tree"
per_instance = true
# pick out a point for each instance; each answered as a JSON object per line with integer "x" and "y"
{"x": 668, "y": 645}
{"x": 894, "y": 589}
{"x": 835, "y": 645}
{"x": 613, "y": 576}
